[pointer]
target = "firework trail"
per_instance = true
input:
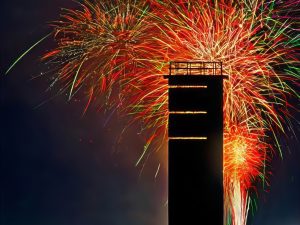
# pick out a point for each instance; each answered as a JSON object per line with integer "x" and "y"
{"x": 118, "y": 51}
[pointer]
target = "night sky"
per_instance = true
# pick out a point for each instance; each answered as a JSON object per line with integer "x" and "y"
{"x": 59, "y": 168}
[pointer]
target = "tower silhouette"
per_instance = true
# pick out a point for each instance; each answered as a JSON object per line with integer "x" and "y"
{"x": 195, "y": 143}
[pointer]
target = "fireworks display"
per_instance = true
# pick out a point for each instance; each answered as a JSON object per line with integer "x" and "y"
{"x": 116, "y": 53}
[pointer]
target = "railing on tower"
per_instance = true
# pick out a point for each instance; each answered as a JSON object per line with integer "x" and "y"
{"x": 195, "y": 68}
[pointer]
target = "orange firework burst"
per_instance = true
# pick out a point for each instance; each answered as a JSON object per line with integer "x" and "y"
{"x": 244, "y": 158}
{"x": 239, "y": 35}
{"x": 101, "y": 46}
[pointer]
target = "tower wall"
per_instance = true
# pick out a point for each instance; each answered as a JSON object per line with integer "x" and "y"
{"x": 195, "y": 149}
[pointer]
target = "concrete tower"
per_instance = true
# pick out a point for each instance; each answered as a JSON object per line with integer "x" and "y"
{"x": 195, "y": 143}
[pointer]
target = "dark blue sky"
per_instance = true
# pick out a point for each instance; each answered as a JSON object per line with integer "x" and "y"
{"x": 58, "y": 168}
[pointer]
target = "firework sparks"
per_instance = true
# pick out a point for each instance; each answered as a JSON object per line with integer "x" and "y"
{"x": 120, "y": 50}
{"x": 100, "y": 47}
{"x": 251, "y": 44}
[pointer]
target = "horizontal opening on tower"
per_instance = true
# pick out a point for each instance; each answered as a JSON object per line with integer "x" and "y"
{"x": 188, "y": 86}
{"x": 187, "y": 138}
{"x": 188, "y": 112}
